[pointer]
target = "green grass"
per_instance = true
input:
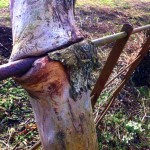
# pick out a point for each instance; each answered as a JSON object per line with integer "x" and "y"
{"x": 4, "y": 3}
{"x": 110, "y": 3}
{"x": 94, "y": 2}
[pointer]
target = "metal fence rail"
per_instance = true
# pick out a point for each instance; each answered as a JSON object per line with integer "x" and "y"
{"x": 117, "y": 36}
{"x": 121, "y": 39}
{"x": 131, "y": 68}
{"x": 110, "y": 63}
{"x": 19, "y": 67}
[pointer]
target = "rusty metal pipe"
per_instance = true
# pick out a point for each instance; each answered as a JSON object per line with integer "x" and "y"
{"x": 139, "y": 29}
{"x": 117, "y": 36}
{"x": 21, "y": 66}
{"x": 16, "y": 68}
{"x": 109, "y": 39}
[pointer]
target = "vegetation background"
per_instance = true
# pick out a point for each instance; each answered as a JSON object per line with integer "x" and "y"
{"x": 126, "y": 126}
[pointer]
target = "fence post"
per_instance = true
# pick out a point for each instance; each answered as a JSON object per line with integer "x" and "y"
{"x": 110, "y": 64}
{"x": 142, "y": 53}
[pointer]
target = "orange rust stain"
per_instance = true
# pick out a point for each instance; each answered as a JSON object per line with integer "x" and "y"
{"x": 50, "y": 78}
{"x": 55, "y": 88}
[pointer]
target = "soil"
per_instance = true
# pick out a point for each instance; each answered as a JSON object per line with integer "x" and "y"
{"x": 141, "y": 76}
{"x": 5, "y": 41}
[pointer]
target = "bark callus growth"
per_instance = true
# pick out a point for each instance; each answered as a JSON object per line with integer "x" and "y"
{"x": 60, "y": 97}
{"x": 42, "y": 26}
{"x": 80, "y": 60}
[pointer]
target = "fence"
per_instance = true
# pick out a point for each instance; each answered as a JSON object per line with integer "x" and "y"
{"x": 121, "y": 40}
{"x": 21, "y": 66}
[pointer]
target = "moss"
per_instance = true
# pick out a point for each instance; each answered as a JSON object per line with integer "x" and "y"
{"x": 80, "y": 60}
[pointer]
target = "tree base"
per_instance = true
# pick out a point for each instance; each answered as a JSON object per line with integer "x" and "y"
{"x": 60, "y": 97}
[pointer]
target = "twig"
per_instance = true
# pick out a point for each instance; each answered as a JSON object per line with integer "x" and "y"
{"x": 36, "y": 146}
{"x": 24, "y": 137}
{"x": 5, "y": 144}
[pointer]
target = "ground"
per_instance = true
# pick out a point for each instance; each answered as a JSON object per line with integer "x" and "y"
{"x": 126, "y": 125}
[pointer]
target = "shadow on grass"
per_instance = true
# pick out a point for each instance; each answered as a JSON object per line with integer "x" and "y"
{"x": 96, "y": 20}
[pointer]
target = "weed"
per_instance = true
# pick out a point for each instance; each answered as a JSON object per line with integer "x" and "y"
{"x": 4, "y": 3}
{"x": 102, "y": 3}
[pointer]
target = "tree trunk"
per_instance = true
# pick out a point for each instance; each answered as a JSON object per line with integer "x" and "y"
{"x": 58, "y": 86}
{"x": 60, "y": 97}
{"x": 42, "y": 26}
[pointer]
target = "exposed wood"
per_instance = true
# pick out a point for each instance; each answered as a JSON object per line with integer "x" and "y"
{"x": 59, "y": 94}
{"x": 42, "y": 26}
{"x": 60, "y": 97}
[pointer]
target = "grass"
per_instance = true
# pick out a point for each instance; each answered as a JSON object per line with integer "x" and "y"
{"x": 100, "y": 3}
{"x": 4, "y": 3}
{"x": 15, "y": 115}
{"x": 120, "y": 131}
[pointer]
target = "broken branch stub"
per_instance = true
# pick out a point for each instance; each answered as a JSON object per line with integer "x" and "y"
{"x": 42, "y": 26}
{"x": 58, "y": 87}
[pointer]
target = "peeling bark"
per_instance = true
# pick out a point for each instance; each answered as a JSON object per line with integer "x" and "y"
{"x": 58, "y": 87}
{"x": 42, "y": 26}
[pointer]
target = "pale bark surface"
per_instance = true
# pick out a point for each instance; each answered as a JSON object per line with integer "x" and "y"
{"x": 60, "y": 97}
{"x": 58, "y": 85}
{"x": 41, "y": 26}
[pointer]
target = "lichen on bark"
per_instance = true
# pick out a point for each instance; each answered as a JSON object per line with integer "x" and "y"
{"x": 80, "y": 59}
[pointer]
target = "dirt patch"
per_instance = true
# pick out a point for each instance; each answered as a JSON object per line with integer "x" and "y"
{"x": 97, "y": 21}
{"x": 141, "y": 76}
{"x": 5, "y": 17}
{"x": 5, "y": 41}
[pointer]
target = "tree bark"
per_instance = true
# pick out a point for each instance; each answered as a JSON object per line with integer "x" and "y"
{"x": 60, "y": 97}
{"x": 58, "y": 85}
{"x": 42, "y": 26}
